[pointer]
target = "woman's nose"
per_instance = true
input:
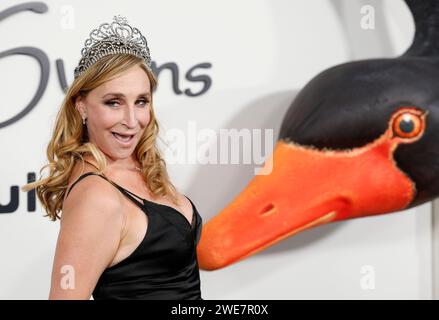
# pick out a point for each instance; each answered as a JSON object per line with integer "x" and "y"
{"x": 130, "y": 117}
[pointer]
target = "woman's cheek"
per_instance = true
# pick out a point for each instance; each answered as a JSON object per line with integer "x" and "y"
{"x": 108, "y": 119}
{"x": 145, "y": 118}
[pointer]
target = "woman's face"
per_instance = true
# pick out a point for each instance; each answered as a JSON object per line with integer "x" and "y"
{"x": 118, "y": 112}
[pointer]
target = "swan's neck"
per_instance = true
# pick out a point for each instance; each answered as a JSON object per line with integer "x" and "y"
{"x": 426, "y": 16}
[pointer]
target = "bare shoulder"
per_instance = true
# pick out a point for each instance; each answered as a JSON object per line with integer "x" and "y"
{"x": 91, "y": 230}
{"x": 93, "y": 203}
{"x": 78, "y": 170}
{"x": 92, "y": 221}
{"x": 93, "y": 209}
{"x": 94, "y": 187}
{"x": 92, "y": 194}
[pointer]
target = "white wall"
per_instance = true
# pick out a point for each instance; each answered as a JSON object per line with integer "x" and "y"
{"x": 262, "y": 53}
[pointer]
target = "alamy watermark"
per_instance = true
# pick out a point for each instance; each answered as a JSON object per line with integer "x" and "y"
{"x": 228, "y": 146}
{"x": 67, "y": 281}
{"x": 367, "y": 280}
{"x": 367, "y": 21}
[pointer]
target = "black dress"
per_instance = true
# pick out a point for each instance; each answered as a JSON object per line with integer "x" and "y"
{"x": 164, "y": 265}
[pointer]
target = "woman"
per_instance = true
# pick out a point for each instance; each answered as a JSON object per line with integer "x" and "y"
{"x": 126, "y": 232}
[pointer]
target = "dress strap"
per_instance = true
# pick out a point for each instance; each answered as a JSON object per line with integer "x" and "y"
{"x": 79, "y": 179}
{"x": 127, "y": 193}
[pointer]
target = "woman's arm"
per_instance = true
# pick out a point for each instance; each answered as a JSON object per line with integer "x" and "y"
{"x": 91, "y": 226}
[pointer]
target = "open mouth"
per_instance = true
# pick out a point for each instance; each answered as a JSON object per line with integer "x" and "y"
{"x": 123, "y": 138}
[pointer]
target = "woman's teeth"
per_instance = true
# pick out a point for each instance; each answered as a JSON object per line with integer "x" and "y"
{"x": 122, "y": 138}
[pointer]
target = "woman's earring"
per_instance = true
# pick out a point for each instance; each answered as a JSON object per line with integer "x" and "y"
{"x": 83, "y": 121}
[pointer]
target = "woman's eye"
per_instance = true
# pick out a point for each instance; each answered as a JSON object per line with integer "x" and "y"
{"x": 114, "y": 103}
{"x": 111, "y": 103}
{"x": 144, "y": 102}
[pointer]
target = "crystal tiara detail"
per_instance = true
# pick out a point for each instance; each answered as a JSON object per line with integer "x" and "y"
{"x": 110, "y": 38}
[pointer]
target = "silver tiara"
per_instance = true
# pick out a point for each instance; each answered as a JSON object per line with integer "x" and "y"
{"x": 110, "y": 38}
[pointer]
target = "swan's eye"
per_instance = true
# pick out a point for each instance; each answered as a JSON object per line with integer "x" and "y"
{"x": 408, "y": 124}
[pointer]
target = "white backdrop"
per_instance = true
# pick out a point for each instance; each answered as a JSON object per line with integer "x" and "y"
{"x": 261, "y": 53}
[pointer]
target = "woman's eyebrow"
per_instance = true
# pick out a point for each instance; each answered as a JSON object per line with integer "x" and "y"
{"x": 118, "y": 94}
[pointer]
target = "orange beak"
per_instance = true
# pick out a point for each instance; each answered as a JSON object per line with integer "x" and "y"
{"x": 305, "y": 188}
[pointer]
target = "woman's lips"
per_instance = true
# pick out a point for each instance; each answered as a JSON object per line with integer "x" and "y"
{"x": 123, "y": 139}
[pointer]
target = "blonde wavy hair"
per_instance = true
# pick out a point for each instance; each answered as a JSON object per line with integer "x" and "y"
{"x": 69, "y": 142}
